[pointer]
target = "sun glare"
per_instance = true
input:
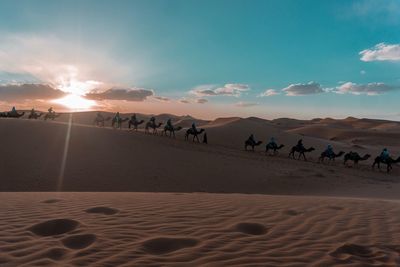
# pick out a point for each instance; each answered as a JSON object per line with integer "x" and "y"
{"x": 75, "y": 102}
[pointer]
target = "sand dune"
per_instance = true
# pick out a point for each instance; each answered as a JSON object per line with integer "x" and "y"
{"x": 167, "y": 229}
{"x": 314, "y": 214}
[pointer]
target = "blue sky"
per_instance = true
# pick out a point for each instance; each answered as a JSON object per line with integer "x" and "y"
{"x": 219, "y": 56}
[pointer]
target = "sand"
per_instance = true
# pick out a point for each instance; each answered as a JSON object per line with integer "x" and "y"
{"x": 133, "y": 199}
{"x": 175, "y": 229}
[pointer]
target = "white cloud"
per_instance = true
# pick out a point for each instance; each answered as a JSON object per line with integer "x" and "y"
{"x": 300, "y": 89}
{"x": 184, "y": 101}
{"x": 246, "y": 104}
{"x": 229, "y": 89}
{"x": 368, "y": 89}
{"x": 162, "y": 98}
{"x": 269, "y": 92}
{"x": 381, "y": 52}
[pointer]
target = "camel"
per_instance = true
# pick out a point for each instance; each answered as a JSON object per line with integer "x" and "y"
{"x": 152, "y": 125}
{"x": 330, "y": 157}
{"x": 99, "y": 121}
{"x": 251, "y": 144}
{"x": 389, "y": 161}
{"x": 195, "y": 134}
{"x": 135, "y": 124}
{"x": 171, "y": 130}
{"x": 10, "y": 114}
{"x": 355, "y": 157}
{"x": 301, "y": 151}
{"x": 35, "y": 115}
{"x": 273, "y": 147}
{"x": 51, "y": 116}
{"x": 117, "y": 123}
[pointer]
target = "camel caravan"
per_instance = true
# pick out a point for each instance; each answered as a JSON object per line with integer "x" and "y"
{"x": 328, "y": 153}
{"x": 272, "y": 148}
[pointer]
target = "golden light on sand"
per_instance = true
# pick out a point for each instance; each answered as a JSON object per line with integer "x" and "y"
{"x": 75, "y": 102}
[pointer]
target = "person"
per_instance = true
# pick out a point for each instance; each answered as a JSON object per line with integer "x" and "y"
{"x": 251, "y": 139}
{"x": 169, "y": 124}
{"x": 13, "y": 111}
{"x": 194, "y": 127}
{"x": 329, "y": 151}
{"x": 205, "y": 140}
{"x": 272, "y": 143}
{"x": 153, "y": 119}
{"x": 50, "y": 110}
{"x": 385, "y": 154}
{"x": 117, "y": 117}
{"x": 300, "y": 145}
{"x": 133, "y": 118}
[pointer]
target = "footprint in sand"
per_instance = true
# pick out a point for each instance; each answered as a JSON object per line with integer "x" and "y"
{"x": 55, "y": 253}
{"x": 54, "y": 227}
{"x": 162, "y": 245}
{"x": 291, "y": 212}
{"x": 79, "y": 241}
{"x": 251, "y": 228}
{"x": 102, "y": 210}
{"x": 52, "y": 200}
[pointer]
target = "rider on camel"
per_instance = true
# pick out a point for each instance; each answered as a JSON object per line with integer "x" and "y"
{"x": 251, "y": 139}
{"x": 272, "y": 143}
{"x": 169, "y": 124}
{"x": 385, "y": 154}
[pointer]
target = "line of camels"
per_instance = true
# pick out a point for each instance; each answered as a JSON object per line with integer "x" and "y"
{"x": 151, "y": 127}
{"x": 350, "y": 156}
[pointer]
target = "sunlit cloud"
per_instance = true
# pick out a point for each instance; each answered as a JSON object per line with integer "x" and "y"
{"x": 229, "y": 89}
{"x": 18, "y": 92}
{"x": 301, "y": 89}
{"x": 129, "y": 94}
{"x": 269, "y": 92}
{"x": 381, "y": 52}
{"x": 75, "y": 102}
{"x": 162, "y": 98}
{"x": 367, "y": 89}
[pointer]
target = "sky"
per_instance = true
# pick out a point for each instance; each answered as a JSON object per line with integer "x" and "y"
{"x": 271, "y": 59}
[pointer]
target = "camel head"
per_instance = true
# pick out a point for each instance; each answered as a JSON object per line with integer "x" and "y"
{"x": 280, "y": 146}
{"x": 310, "y": 149}
{"x": 397, "y": 160}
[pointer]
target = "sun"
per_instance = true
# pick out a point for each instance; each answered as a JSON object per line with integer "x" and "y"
{"x": 75, "y": 102}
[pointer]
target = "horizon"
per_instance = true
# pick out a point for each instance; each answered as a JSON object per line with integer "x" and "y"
{"x": 267, "y": 59}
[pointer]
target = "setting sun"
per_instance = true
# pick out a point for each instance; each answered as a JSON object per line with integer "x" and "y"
{"x": 75, "y": 102}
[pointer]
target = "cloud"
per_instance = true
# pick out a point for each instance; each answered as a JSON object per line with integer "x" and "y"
{"x": 300, "y": 89}
{"x": 381, "y": 52}
{"x": 33, "y": 58}
{"x": 246, "y": 104}
{"x": 162, "y": 98}
{"x": 135, "y": 94}
{"x": 18, "y": 92}
{"x": 269, "y": 92}
{"x": 363, "y": 72}
{"x": 201, "y": 101}
{"x": 368, "y": 89}
{"x": 229, "y": 89}
{"x": 184, "y": 101}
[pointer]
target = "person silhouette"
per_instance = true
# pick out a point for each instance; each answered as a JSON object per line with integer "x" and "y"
{"x": 205, "y": 140}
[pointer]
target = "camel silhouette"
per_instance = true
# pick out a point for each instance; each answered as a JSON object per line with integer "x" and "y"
{"x": 301, "y": 151}
{"x": 51, "y": 116}
{"x": 330, "y": 157}
{"x": 152, "y": 125}
{"x": 171, "y": 130}
{"x": 116, "y": 123}
{"x": 134, "y": 124}
{"x": 355, "y": 157}
{"x": 34, "y": 115}
{"x": 389, "y": 161}
{"x": 195, "y": 134}
{"x": 250, "y": 143}
{"x": 99, "y": 121}
{"x": 12, "y": 114}
{"x": 273, "y": 147}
